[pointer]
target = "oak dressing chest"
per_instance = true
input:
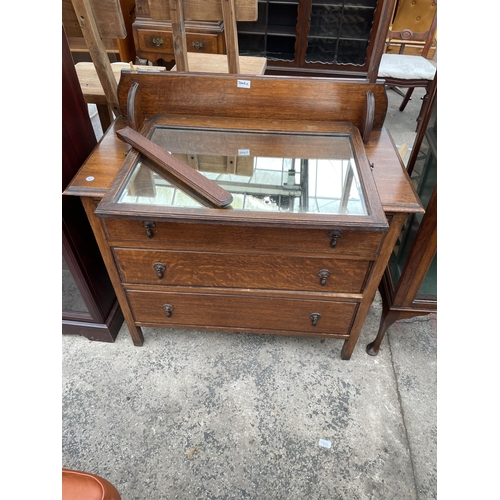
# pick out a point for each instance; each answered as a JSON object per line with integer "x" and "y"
{"x": 301, "y": 245}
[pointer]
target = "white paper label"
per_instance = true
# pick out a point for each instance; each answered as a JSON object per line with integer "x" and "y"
{"x": 244, "y": 84}
{"x": 243, "y": 152}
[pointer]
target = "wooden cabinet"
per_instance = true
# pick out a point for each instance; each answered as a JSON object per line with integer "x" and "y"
{"x": 306, "y": 239}
{"x": 89, "y": 305}
{"x": 154, "y": 42}
{"x": 298, "y": 37}
{"x": 409, "y": 285}
{"x": 317, "y": 36}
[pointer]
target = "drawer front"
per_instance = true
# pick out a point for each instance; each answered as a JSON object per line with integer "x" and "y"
{"x": 242, "y": 238}
{"x": 242, "y": 312}
{"x": 274, "y": 272}
{"x": 161, "y": 42}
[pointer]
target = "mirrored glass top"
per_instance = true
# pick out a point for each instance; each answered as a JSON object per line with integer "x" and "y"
{"x": 263, "y": 171}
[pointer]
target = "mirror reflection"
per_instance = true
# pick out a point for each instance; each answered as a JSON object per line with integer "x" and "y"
{"x": 263, "y": 172}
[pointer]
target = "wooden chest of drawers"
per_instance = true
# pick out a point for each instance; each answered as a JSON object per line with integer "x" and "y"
{"x": 305, "y": 241}
{"x": 254, "y": 279}
{"x": 153, "y": 39}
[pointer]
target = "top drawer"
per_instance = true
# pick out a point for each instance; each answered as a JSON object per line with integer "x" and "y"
{"x": 246, "y": 239}
{"x": 161, "y": 42}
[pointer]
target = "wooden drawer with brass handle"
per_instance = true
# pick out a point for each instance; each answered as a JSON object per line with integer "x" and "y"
{"x": 160, "y": 43}
{"x": 322, "y": 318}
{"x": 229, "y": 270}
{"x": 211, "y": 237}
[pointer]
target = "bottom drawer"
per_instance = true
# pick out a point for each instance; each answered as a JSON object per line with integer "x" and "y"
{"x": 242, "y": 312}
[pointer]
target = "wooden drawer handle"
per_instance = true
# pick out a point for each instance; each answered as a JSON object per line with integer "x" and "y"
{"x": 148, "y": 225}
{"x": 159, "y": 267}
{"x": 315, "y": 317}
{"x": 334, "y": 235}
{"x": 198, "y": 45}
{"x": 168, "y": 308}
{"x": 323, "y": 275}
{"x": 158, "y": 41}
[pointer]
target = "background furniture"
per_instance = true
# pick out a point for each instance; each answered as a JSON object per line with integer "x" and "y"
{"x": 96, "y": 21}
{"x": 118, "y": 49}
{"x": 298, "y": 37}
{"x": 89, "y": 301}
{"x": 409, "y": 285}
{"x": 256, "y": 241}
{"x": 154, "y": 41}
{"x": 77, "y": 485}
{"x": 319, "y": 37}
{"x": 414, "y": 15}
{"x": 411, "y": 71}
{"x": 92, "y": 90}
{"x": 227, "y": 11}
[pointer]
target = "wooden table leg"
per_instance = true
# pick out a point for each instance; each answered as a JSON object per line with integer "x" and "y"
{"x": 135, "y": 331}
{"x": 372, "y": 285}
{"x": 387, "y": 319}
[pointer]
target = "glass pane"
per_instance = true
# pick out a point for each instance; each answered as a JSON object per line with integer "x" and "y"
{"x": 280, "y": 47}
{"x": 339, "y": 31}
{"x": 428, "y": 288}
{"x": 273, "y": 34}
{"x": 72, "y": 300}
{"x": 424, "y": 178}
{"x": 246, "y": 165}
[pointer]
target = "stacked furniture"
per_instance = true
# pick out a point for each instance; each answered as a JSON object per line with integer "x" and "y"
{"x": 298, "y": 37}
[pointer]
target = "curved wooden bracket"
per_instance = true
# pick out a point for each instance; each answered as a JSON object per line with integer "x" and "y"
{"x": 134, "y": 107}
{"x": 368, "y": 116}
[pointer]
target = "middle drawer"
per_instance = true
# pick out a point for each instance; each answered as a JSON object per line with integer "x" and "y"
{"x": 227, "y": 270}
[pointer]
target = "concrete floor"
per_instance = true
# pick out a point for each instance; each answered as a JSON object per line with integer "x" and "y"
{"x": 210, "y": 415}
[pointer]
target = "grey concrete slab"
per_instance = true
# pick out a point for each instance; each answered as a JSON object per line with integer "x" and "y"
{"x": 413, "y": 345}
{"x": 402, "y": 124}
{"x": 215, "y": 415}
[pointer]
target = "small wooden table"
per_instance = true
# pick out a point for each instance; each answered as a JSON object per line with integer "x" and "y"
{"x": 293, "y": 266}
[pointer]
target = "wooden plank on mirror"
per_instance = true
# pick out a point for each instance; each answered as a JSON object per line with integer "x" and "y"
{"x": 178, "y": 173}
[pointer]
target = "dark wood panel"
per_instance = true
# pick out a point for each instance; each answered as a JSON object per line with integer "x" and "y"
{"x": 80, "y": 250}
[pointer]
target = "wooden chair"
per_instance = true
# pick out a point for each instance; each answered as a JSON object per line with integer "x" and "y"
{"x": 411, "y": 71}
{"x": 119, "y": 49}
{"x": 228, "y": 11}
{"x": 98, "y": 21}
